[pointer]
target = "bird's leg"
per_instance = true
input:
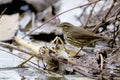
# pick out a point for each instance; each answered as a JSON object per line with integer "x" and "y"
{"x": 63, "y": 45}
{"x": 61, "y": 41}
{"x": 57, "y": 39}
{"x": 78, "y": 51}
{"x": 53, "y": 41}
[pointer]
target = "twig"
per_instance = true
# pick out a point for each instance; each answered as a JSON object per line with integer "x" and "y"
{"x": 104, "y": 18}
{"x": 79, "y": 17}
{"x": 115, "y": 50}
{"x": 3, "y": 12}
{"x": 106, "y": 15}
{"x": 101, "y": 9}
{"x": 102, "y": 61}
{"x": 14, "y": 47}
{"x": 72, "y": 63}
{"x": 85, "y": 75}
{"x": 17, "y": 56}
{"x": 86, "y": 22}
{"x": 57, "y": 16}
{"x": 33, "y": 20}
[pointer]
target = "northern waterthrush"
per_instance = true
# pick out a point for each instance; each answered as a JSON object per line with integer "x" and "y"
{"x": 78, "y": 36}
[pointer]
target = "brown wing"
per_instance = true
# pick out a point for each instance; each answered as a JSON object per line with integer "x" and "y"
{"x": 80, "y": 33}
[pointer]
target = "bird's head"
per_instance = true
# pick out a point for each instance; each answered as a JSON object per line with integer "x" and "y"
{"x": 66, "y": 25}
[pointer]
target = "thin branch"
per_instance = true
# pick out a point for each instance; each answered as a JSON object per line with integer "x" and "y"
{"x": 104, "y": 18}
{"x": 57, "y": 16}
{"x": 102, "y": 61}
{"x": 86, "y": 22}
{"x": 106, "y": 15}
{"x": 3, "y": 12}
{"x": 14, "y": 47}
{"x": 79, "y": 17}
{"x": 18, "y": 56}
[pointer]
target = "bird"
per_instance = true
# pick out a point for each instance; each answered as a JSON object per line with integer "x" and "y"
{"x": 78, "y": 36}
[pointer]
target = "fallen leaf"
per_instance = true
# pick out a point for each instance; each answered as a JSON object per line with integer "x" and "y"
{"x": 8, "y": 26}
